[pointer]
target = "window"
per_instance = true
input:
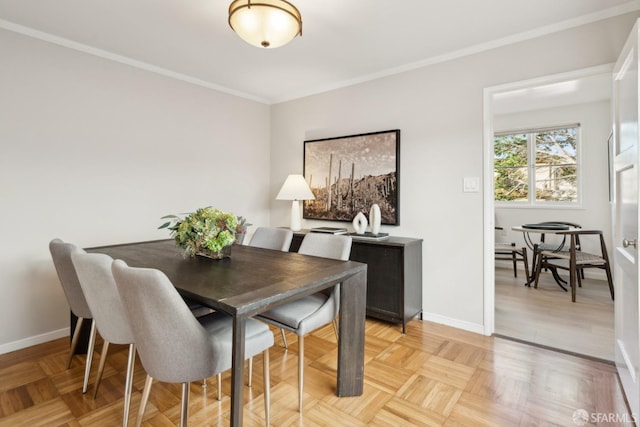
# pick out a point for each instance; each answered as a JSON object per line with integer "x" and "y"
{"x": 545, "y": 160}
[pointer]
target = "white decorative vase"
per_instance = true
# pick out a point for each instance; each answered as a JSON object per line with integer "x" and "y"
{"x": 375, "y": 219}
{"x": 360, "y": 223}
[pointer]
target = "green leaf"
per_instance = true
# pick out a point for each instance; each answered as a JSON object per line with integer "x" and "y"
{"x": 165, "y": 225}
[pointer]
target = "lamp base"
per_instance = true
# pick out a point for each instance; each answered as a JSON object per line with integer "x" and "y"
{"x": 296, "y": 223}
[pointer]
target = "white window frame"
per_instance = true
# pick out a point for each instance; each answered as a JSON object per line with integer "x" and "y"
{"x": 531, "y": 176}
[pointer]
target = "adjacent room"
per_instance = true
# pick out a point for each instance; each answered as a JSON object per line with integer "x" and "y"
{"x": 120, "y": 121}
{"x": 573, "y": 113}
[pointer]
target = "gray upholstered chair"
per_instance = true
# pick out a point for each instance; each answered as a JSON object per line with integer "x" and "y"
{"x": 172, "y": 344}
{"x": 309, "y": 313}
{"x": 99, "y": 287}
{"x": 61, "y": 255}
{"x": 278, "y": 239}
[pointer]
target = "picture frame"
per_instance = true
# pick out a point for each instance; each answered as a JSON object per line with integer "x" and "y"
{"x": 348, "y": 174}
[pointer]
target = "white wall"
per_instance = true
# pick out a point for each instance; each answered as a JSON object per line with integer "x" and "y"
{"x": 95, "y": 152}
{"x": 439, "y": 112}
{"x": 595, "y": 210}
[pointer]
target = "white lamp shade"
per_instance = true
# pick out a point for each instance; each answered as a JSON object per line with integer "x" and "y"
{"x": 295, "y": 188}
{"x": 265, "y": 23}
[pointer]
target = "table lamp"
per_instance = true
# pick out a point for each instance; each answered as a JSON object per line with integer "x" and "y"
{"x": 295, "y": 188}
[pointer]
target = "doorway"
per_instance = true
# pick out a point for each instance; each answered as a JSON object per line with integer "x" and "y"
{"x": 579, "y": 96}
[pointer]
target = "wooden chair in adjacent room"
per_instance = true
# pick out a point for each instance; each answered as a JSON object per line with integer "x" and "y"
{"x": 510, "y": 252}
{"x": 576, "y": 261}
{"x": 559, "y": 247}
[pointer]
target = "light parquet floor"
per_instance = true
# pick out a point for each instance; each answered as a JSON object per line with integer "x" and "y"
{"x": 432, "y": 376}
{"x": 547, "y": 316}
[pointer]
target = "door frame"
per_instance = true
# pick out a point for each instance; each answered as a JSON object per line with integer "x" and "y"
{"x": 487, "y": 188}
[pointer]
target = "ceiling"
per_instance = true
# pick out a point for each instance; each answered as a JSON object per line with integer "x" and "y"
{"x": 569, "y": 91}
{"x": 343, "y": 42}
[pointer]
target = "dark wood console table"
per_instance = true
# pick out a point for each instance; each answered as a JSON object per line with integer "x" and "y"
{"x": 394, "y": 275}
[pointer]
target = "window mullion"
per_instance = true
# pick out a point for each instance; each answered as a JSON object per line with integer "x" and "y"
{"x": 556, "y": 179}
{"x": 531, "y": 161}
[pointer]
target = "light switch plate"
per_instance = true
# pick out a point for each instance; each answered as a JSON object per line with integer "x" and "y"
{"x": 471, "y": 184}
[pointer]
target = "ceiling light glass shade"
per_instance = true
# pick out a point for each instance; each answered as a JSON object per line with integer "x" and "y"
{"x": 265, "y": 23}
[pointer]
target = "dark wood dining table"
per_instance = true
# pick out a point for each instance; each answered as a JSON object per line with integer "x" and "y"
{"x": 253, "y": 280}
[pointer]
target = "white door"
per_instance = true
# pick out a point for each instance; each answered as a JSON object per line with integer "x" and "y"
{"x": 625, "y": 216}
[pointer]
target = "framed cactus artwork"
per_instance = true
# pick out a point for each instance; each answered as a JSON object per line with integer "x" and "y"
{"x": 348, "y": 174}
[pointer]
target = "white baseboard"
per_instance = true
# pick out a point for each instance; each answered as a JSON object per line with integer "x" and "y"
{"x": 454, "y": 323}
{"x": 64, "y": 332}
{"x": 34, "y": 340}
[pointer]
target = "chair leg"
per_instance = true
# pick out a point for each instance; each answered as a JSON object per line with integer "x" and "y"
{"x": 103, "y": 358}
{"x": 250, "y": 372}
{"x": 267, "y": 388}
{"x": 609, "y": 279}
{"x": 537, "y": 270}
{"x": 300, "y": 371}
{"x": 74, "y": 340}
{"x": 87, "y": 368}
{"x": 515, "y": 263}
{"x": 219, "y": 381}
{"x": 525, "y": 259}
{"x": 184, "y": 407}
{"x": 144, "y": 399}
{"x": 284, "y": 338}
{"x": 128, "y": 384}
{"x": 573, "y": 274}
{"x": 579, "y": 276}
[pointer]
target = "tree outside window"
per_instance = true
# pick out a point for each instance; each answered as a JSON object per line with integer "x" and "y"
{"x": 545, "y": 160}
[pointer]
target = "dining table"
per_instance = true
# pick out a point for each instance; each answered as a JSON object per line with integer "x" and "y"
{"x": 541, "y": 230}
{"x": 253, "y": 280}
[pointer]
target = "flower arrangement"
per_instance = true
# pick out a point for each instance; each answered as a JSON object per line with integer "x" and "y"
{"x": 243, "y": 224}
{"x": 241, "y": 229}
{"x": 207, "y": 230}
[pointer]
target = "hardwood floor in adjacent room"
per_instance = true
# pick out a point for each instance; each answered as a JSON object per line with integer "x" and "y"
{"x": 547, "y": 316}
{"x": 432, "y": 376}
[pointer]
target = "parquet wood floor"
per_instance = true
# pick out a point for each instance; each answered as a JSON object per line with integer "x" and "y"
{"x": 432, "y": 376}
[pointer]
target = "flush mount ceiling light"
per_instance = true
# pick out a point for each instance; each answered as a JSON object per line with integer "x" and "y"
{"x": 265, "y": 23}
